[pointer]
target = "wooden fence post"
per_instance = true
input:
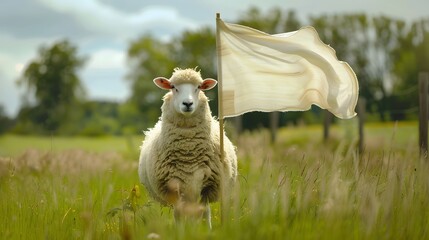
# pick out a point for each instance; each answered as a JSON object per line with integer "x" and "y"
{"x": 361, "y": 117}
{"x": 274, "y": 125}
{"x": 327, "y": 119}
{"x": 423, "y": 114}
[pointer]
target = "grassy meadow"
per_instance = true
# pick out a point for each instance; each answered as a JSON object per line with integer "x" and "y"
{"x": 297, "y": 188}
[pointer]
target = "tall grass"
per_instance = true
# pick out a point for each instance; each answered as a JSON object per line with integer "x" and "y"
{"x": 60, "y": 196}
{"x": 297, "y": 188}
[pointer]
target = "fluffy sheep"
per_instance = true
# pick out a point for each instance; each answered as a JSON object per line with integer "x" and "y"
{"x": 180, "y": 161}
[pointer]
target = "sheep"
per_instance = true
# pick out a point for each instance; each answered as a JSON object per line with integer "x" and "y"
{"x": 180, "y": 161}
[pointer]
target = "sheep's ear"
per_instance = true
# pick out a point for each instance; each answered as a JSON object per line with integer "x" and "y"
{"x": 163, "y": 83}
{"x": 208, "y": 84}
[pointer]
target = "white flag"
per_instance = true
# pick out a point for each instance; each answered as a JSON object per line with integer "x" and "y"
{"x": 282, "y": 72}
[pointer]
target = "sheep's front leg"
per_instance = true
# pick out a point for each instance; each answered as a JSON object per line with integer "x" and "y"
{"x": 208, "y": 216}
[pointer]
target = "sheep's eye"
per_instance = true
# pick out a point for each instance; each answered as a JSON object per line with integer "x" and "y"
{"x": 173, "y": 87}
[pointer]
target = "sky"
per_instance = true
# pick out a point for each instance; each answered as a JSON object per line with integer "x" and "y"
{"x": 103, "y": 29}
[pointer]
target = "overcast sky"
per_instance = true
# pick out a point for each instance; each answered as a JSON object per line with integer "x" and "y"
{"x": 103, "y": 29}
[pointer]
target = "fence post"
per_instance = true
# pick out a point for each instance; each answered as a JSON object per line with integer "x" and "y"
{"x": 274, "y": 125}
{"x": 327, "y": 119}
{"x": 361, "y": 117}
{"x": 423, "y": 114}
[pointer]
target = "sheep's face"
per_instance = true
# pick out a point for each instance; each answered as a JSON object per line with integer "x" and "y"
{"x": 185, "y": 98}
{"x": 185, "y": 95}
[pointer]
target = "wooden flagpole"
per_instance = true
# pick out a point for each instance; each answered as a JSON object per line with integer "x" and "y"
{"x": 220, "y": 113}
{"x": 219, "y": 79}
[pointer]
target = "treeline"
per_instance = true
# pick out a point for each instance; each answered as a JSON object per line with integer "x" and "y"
{"x": 387, "y": 55}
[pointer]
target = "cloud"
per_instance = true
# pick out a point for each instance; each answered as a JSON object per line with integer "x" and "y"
{"x": 98, "y": 17}
{"x": 107, "y": 59}
{"x": 9, "y": 93}
{"x": 15, "y": 54}
{"x": 104, "y": 74}
{"x": 30, "y": 19}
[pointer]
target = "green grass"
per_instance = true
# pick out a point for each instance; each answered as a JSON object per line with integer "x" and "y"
{"x": 378, "y": 135}
{"x": 298, "y": 188}
{"x": 13, "y": 145}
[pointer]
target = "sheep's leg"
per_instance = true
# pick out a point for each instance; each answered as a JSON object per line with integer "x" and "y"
{"x": 208, "y": 216}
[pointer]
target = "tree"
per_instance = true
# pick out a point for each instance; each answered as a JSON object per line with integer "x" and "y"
{"x": 5, "y": 121}
{"x": 197, "y": 49}
{"x": 148, "y": 58}
{"x": 270, "y": 23}
{"x": 52, "y": 78}
{"x": 410, "y": 57}
{"x": 99, "y": 118}
{"x": 373, "y": 47}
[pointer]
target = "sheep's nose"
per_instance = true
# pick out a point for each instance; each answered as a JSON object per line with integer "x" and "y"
{"x": 188, "y": 104}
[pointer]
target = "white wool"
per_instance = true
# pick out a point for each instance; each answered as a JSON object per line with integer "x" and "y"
{"x": 180, "y": 156}
{"x": 188, "y": 75}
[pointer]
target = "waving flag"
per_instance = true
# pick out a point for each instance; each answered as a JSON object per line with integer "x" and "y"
{"x": 282, "y": 72}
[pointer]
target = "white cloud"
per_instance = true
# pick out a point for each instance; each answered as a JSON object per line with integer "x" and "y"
{"x": 101, "y": 18}
{"x": 107, "y": 59}
{"x": 104, "y": 73}
{"x": 15, "y": 53}
{"x": 9, "y": 92}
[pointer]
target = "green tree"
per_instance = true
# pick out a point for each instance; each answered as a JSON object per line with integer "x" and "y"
{"x": 149, "y": 58}
{"x": 270, "y": 23}
{"x": 5, "y": 121}
{"x": 372, "y": 46}
{"x": 410, "y": 57}
{"x": 197, "y": 49}
{"x": 99, "y": 118}
{"x": 386, "y": 32}
{"x": 53, "y": 79}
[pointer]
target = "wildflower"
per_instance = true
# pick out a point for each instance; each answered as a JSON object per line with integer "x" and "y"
{"x": 131, "y": 201}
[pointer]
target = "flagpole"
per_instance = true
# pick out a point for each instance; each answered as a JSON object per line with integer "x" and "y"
{"x": 220, "y": 110}
{"x": 219, "y": 78}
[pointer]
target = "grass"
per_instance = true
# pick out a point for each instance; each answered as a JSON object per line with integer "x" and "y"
{"x": 298, "y": 188}
{"x": 13, "y": 145}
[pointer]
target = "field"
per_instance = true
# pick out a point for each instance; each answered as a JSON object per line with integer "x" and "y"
{"x": 298, "y": 188}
